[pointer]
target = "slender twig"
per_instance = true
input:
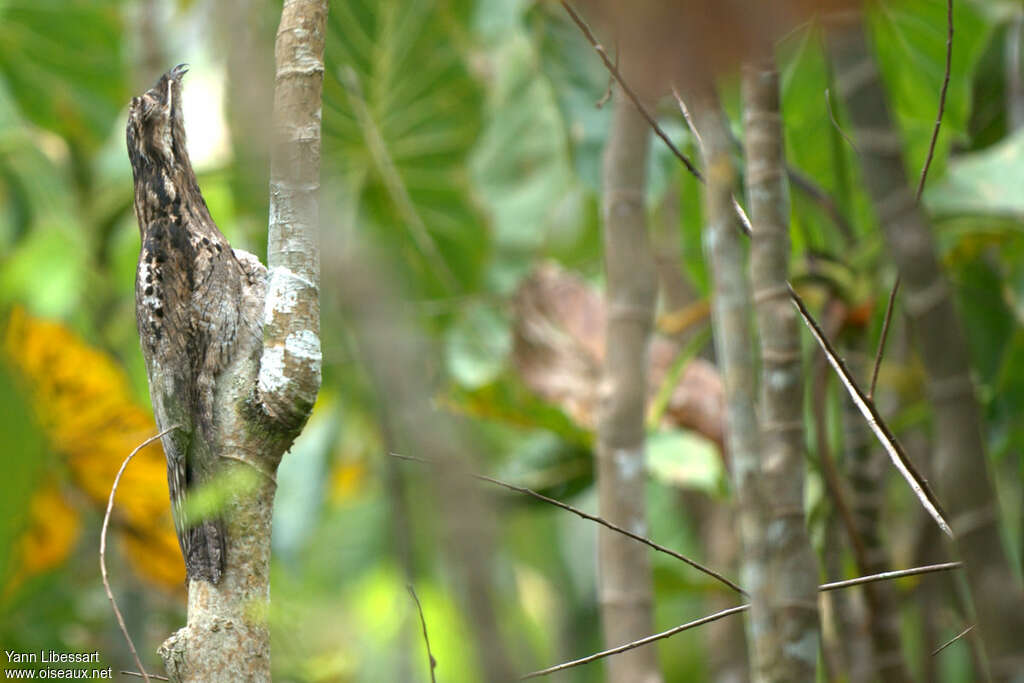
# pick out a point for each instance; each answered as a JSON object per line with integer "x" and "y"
{"x": 614, "y": 71}
{"x": 611, "y": 82}
{"x": 942, "y": 99}
{"x": 837, "y": 585}
{"x": 953, "y": 639}
{"x": 835, "y": 123}
{"x": 918, "y": 484}
{"x": 138, "y": 675}
{"x": 426, "y": 639}
{"x": 916, "y": 481}
{"x": 103, "y": 549}
{"x": 884, "y": 335}
{"x": 889, "y": 576}
{"x": 685, "y": 111}
{"x": 637, "y": 643}
{"x": 603, "y": 522}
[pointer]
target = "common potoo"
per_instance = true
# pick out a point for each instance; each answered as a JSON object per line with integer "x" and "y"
{"x": 193, "y": 304}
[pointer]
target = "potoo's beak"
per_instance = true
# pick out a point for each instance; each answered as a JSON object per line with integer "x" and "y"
{"x": 177, "y": 72}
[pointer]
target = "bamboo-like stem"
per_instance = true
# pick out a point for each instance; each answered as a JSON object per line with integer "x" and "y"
{"x": 960, "y": 464}
{"x": 736, "y": 354}
{"x": 625, "y": 591}
{"x": 791, "y": 579}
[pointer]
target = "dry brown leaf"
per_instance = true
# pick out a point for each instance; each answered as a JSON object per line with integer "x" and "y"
{"x": 559, "y": 349}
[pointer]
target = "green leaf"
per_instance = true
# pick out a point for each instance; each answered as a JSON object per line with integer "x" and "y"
{"x": 983, "y": 183}
{"x": 521, "y": 165}
{"x": 579, "y": 81}
{"x": 478, "y": 346}
{"x": 63, "y": 65}
{"x": 401, "y": 114}
{"x": 46, "y": 271}
{"x": 686, "y": 460}
{"x": 910, "y": 40}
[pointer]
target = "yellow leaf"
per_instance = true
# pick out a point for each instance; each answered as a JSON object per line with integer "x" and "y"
{"x": 53, "y": 527}
{"x": 82, "y": 400}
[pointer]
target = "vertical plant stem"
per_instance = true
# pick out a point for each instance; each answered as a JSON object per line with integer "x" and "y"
{"x": 736, "y": 354}
{"x": 624, "y": 583}
{"x": 792, "y": 570}
{"x": 961, "y": 467}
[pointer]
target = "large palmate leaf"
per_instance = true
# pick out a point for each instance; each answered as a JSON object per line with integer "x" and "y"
{"x": 62, "y": 63}
{"x": 401, "y": 114}
{"x": 521, "y": 165}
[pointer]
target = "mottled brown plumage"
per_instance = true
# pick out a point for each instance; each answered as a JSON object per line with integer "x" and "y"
{"x": 189, "y": 292}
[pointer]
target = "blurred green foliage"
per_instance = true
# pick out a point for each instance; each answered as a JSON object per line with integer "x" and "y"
{"x": 463, "y": 139}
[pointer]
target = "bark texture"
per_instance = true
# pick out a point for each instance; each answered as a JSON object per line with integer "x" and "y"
{"x": 731, "y": 314}
{"x": 624, "y": 572}
{"x": 791, "y": 590}
{"x": 290, "y": 367}
{"x": 262, "y": 399}
{"x": 961, "y": 467}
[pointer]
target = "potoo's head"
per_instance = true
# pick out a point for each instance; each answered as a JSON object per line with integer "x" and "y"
{"x": 156, "y": 132}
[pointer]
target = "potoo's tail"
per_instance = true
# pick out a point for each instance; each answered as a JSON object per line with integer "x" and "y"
{"x": 204, "y": 559}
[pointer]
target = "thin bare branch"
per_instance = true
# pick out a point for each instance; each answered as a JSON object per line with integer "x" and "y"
{"x": 685, "y": 111}
{"x": 138, "y": 675}
{"x": 889, "y": 576}
{"x": 103, "y": 550}
{"x": 953, "y": 639}
{"x": 884, "y": 335}
{"x": 942, "y": 100}
{"x": 637, "y": 643}
{"x": 899, "y": 458}
{"x": 426, "y": 639}
{"x": 614, "y": 71}
{"x": 884, "y": 576}
{"x": 593, "y": 518}
{"x": 611, "y": 83}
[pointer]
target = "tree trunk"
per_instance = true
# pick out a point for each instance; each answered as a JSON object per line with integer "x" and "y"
{"x": 961, "y": 467}
{"x": 260, "y": 407}
{"x": 624, "y": 571}
{"x": 791, "y": 589}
